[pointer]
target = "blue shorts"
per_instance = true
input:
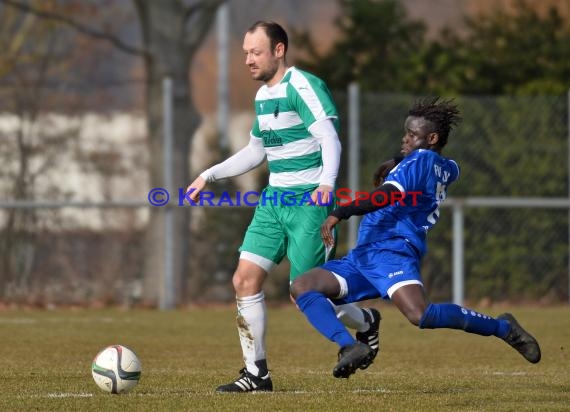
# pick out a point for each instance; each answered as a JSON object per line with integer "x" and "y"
{"x": 376, "y": 270}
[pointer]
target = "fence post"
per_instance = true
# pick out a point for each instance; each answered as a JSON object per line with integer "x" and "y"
{"x": 458, "y": 255}
{"x": 353, "y": 153}
{"x": 223, "y": 24}
{"x": 167, "y": 292}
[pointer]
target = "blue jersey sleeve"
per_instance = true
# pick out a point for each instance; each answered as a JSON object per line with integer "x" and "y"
{"x": 455, "y": 170}
{"x": 410, "y": 174}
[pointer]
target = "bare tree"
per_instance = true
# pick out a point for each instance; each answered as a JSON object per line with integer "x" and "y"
{"x": 31, "y": 148}
{"x": 172, "y": 31}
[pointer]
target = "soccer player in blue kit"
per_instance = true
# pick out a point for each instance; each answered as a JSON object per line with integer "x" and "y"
{"x": 392, "y": 240}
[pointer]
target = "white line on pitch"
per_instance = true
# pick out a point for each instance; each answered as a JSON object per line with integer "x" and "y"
{"x": 69, "y": 395}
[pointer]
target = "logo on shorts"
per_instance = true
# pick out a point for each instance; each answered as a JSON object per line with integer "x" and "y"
{"x": 391, "y": 275}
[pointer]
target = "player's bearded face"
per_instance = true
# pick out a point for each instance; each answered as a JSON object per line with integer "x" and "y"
{"x": 263, "y": 63}
{"x": 418, "y": 132}
{"x": 264, "y": 71}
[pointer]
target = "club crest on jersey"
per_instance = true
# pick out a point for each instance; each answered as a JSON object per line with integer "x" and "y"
{"x": 271, "y": 139}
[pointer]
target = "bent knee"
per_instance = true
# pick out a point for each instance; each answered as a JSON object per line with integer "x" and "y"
{"x": 316, "y": 280}
{"x": 299, "y": 286}
{"x": 414, "y": 315}
{"x": 247, "y": 282}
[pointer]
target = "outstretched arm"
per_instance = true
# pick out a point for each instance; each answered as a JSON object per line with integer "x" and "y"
{"x": 243, "y": 161}
{"x": 377, "y": 199}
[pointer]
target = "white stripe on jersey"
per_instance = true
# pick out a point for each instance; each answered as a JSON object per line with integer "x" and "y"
{"x": 302, "y": 177}
{"x": 293, "y": 149}
{"x": 396, "y": 184}
{"x": 283, "y": 121}
{"x": 274, "y": 92}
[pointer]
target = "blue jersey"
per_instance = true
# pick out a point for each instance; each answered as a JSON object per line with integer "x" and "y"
{"x": 423, "y": 176}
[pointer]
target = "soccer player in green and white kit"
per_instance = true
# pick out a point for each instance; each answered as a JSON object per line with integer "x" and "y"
{"x": 296, "y": 128}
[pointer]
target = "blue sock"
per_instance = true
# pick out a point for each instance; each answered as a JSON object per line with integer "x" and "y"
{"x": 321, "y": 315}
{"x": 448, "y": 315}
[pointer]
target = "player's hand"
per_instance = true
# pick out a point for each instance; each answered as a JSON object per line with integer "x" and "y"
{"x": 322, "y": 195}
{"x": 382, "y": 171}
{"x": 327, "y": 233}
{"x": 195, "y": 188}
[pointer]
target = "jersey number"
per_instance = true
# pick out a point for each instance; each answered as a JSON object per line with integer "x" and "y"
{"x": 440, "y": 195}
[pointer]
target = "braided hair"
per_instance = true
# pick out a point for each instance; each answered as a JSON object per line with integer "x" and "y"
{"x": 443, "y": 114}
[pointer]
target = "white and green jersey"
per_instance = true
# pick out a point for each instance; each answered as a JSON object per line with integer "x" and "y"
{"x": 284, "y": 114}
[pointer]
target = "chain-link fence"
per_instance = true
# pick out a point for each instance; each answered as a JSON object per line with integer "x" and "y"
{"x": 506, "y": 147}
{"x": 514, "y": 147}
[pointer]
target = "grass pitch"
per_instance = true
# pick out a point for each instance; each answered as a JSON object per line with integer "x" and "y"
{"x": 45, "y": 361}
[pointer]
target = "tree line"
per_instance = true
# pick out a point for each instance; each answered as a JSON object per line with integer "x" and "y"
{"x": 521, "y": 52}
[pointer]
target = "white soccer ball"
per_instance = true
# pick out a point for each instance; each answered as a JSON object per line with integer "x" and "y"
{"x": 116, "y": 369}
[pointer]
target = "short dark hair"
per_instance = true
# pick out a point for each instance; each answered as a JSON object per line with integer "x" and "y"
{"x": 444, "y": 114}
{"x": 274, "y": 31}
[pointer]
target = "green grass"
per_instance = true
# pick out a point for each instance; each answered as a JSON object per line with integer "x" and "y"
{"x": 45, "y": 360}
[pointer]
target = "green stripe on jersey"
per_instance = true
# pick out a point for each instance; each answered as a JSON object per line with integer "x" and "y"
{"x": 284, "y": 136}
{"x": 311, "y": 97}
{"x": 295, "y": 164}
